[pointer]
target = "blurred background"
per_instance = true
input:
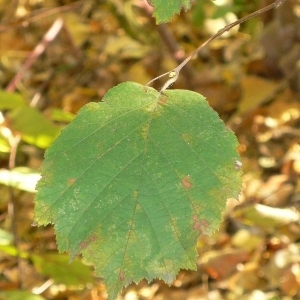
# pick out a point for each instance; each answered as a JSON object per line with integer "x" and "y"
{"x": 58, "y": 55}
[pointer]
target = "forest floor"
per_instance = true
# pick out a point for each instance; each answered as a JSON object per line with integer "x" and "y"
{"x": 251, "y": 77}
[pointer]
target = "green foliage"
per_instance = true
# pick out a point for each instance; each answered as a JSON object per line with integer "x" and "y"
{"x": 199, "y": 13}
{"x": 19, "y": 295}
{"x": 53, "y": 265}
{"x": 33, "y": 126}
{"x": 28, "y": 121}
{"x": 135, "y": 179}
{"x": 10, "y": 100}
{"x": 61, "y": 116}
{"x": 166, "y": 9}
{"x": 5, "y": 237}
{"x": 57, "y": 267}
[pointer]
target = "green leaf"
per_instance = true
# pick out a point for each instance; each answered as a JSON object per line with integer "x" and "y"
{"x": 13, "y": 251}
{"x": 59, "y": 115}
{"x": 10, "y": 100}
{"x": 164, "y": 10}
{"x": 5, "y": 237}
{"x": 34, "y": 127}
{"x": 222, "y": 11}
{"x": 198, "y": 14}
{"x": 135, "y": 179}
{"x": 19, "y": 295}
{"x": 58, "y": 268}
{"x": 5, "y": 147}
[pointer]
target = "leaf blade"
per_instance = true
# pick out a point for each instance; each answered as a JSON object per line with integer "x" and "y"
{"x": 165, "y": 10}
{"x": 156, "y": 172}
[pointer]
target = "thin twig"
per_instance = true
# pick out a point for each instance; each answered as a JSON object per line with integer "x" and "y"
{"x": 169, "y": 40}
{"x": 177, "y": 54}
{"x": 37, "y": 51}
{"x": 14, "y": 143}
{"x": 38, "y": 95}
{"x": 173, "y": 74}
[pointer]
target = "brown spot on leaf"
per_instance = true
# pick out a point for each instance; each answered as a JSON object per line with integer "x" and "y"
{"x": 92, "y": 238}
{"x": 186, "y": 182}
{"x": 71, "y": 181}
{"x": 85, "y": 243}
{"x": 121, "y": 275}
{"x": 163, "y": 100}
{"x": 200, "y": 225}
